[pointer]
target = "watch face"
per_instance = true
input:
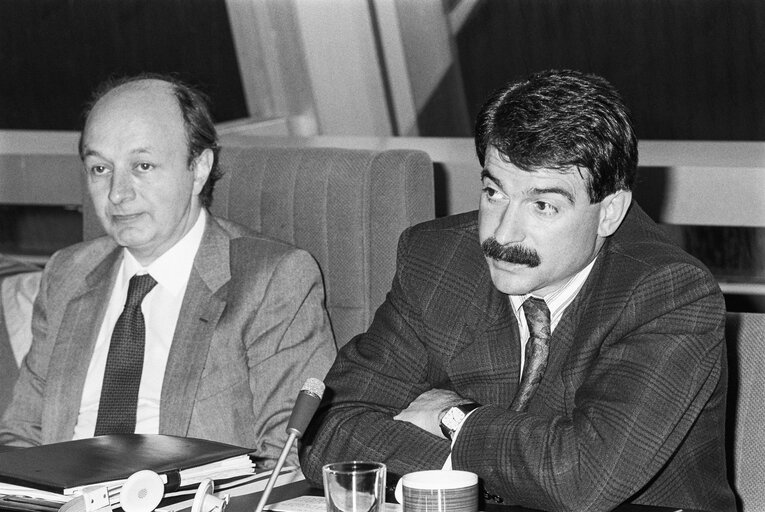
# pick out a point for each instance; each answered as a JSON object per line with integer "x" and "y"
{"x": 453, "y": 418}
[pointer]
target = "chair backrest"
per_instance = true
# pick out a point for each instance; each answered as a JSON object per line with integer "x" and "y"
{"x": 19, "y": 283}
{"x": 745, "y": 335}
{"x": 9, "y": 370}
{"x": 346, "y": 207}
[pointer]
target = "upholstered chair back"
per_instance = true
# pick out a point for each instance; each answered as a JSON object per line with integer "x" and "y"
{"x": 346, "y": 207}
{"x": 745, "y": 334}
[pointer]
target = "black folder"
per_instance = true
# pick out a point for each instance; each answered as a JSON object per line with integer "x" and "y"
{"x": 59, "y": 466}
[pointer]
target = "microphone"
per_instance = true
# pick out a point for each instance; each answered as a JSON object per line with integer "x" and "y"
{"x": 305, "y": 407}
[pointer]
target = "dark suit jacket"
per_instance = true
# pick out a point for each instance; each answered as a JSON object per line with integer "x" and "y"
{"x": 631, "y": 407}
{"x": 251, "y": 329}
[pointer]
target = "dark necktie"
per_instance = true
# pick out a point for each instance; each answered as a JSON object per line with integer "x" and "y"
{"x": 124, "y": 364}
{"x": 537, "y": 350}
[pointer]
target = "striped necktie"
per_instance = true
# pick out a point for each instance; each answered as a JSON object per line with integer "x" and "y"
{"x": 537, "y": 350}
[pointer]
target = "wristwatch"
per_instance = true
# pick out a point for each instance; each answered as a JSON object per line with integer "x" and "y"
{"x": 454, "y": 417}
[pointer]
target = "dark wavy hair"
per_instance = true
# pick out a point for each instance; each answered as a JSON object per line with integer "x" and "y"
{"x": 560, "y": 119}
{"x": 197, "y": 121}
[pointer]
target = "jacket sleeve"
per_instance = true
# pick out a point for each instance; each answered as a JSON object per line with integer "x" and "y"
{"x": 376, "y": 375}
{"x": 291, "y": 321}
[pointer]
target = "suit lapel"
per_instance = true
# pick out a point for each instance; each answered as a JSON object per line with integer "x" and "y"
{"x": 490, "y": 345}
{"x": 203, "y": 305}
{"x": 570, "y": 347}
{"x": 76, "y": 339}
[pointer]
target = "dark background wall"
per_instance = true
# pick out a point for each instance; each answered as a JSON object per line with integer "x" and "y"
{"x": 689, "y": 69}
{"x": 54, "y": 52}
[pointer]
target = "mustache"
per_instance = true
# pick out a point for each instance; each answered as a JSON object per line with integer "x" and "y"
{"x": 510, "y": 253}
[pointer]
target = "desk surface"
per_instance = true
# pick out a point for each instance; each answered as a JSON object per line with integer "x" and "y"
{"x": 248, "y": 503}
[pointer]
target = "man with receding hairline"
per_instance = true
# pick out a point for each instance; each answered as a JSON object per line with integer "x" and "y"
{"x": 229, "y": 323}
{"x": 555, "y": 342}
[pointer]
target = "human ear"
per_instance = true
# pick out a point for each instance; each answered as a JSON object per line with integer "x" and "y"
{"x": 613, "y": 209}
{"x": 202, "y": 166}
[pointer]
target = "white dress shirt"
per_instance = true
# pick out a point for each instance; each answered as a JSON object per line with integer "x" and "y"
{"x": 160, "y": 310}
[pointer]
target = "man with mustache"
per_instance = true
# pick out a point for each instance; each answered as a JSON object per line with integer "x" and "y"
{"x": 555, "y": 342}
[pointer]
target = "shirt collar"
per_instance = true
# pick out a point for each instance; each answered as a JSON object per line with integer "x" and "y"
{"x": 171, "y": 270}
{"x": 559, "y": 299}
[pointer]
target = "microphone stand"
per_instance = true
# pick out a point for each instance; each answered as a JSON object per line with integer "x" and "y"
{"x": 305, "y": 407}
{"x": 275, "y": 474}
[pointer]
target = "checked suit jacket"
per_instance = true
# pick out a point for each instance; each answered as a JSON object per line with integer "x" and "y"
{"x": 630, "y": 409}
{"x": 251, "y": 329}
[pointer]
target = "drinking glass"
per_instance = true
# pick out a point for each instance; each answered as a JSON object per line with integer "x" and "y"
{"x": 354, "y": 486}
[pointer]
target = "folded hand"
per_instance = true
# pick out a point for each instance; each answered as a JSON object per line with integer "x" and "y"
{"x": 426, "y": 410}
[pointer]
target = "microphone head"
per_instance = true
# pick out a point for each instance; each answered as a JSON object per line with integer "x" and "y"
{"x": 307, "y": 402}
{"x": 313, "y": 386}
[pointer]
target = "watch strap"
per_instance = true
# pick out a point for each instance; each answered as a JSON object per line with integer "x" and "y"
{"x": 465, "y": 409}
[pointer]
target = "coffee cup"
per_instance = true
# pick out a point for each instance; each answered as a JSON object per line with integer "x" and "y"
{"x": 439, "y": 491}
